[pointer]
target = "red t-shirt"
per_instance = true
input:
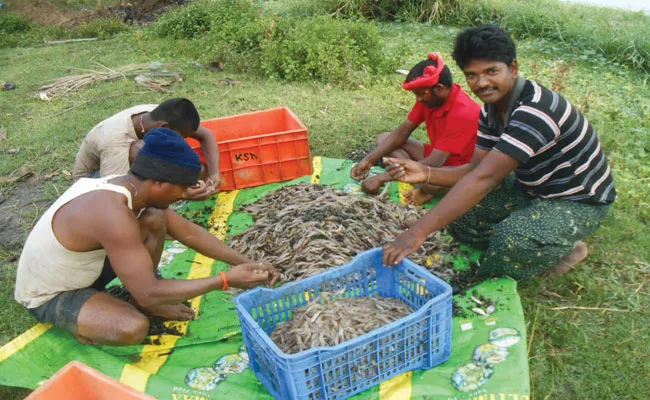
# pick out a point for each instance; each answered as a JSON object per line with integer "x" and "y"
{"x": 451, "y": 127}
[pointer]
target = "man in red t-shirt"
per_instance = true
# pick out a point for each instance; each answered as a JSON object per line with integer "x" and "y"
{"x": 451, "y": 118}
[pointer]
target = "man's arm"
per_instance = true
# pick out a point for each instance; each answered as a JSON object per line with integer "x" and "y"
{"x": 118, "y": 231}
{"x": 461, "y": 198}
{"x": 436, "y": 159}
{"x": 410, "y": 171}
{"x": 201, "y": 240}
{"x": 210, "y": 149}
{"x": 394, "y": 141}
{"x": 449, "y": 176}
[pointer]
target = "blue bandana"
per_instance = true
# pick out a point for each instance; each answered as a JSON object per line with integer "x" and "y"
{"x": 166, "y": 157}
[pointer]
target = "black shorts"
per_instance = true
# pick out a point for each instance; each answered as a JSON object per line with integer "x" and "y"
{"x": 63, "y": 310}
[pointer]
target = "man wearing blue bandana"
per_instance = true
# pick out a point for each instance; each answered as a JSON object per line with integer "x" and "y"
{"x": 116, "y": 225}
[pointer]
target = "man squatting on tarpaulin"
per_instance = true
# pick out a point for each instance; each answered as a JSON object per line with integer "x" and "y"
{"x": 538, "y": 182}
{"x": 111, "y": 146}
{"x": 451, "y": 119}
{"x": 119, "y": 223}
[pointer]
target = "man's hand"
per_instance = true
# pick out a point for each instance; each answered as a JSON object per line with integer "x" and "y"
{"x": 407, "y": 171}
{"x": 203, "y": 190}
{"x": 246, "y": 276}
{"x": 404, "y": 244}
{"x": 200, "y": 191}
{"x": 372, "y": 185}
{"x": 214, "y": 182}
{"x": 361, "y": 170}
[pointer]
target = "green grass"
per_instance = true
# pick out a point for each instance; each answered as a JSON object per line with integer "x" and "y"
{"x": 574, "y": 354}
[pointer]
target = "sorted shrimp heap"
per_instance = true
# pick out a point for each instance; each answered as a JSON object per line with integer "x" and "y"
{"x": 327, "y": 322}
{"x": 305, "y": 229}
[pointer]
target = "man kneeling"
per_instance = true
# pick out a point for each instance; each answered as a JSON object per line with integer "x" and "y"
{"x": 117, "y": 225}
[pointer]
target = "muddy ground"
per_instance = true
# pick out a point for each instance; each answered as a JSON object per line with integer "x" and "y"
{"x": 45, "y": 12}
{"x": 20, "y": 208}
{"x": 134, "y": 11}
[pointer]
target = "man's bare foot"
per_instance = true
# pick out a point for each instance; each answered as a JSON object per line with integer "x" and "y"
{"x": 175, "y": 312}
{"x": 416, "y": 197}
{"x": 570, "y": 260}
{"x": 373, "y": 184}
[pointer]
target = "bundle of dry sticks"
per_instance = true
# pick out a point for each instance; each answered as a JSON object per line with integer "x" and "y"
{"x": 144, "y": 73}
{"x": 304, "y": 229}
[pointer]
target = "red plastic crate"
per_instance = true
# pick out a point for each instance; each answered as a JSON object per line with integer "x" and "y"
{"x": 76, "y": 380}
{"x": 259, "y": 147}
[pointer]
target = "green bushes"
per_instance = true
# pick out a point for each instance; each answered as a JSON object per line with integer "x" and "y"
{"x": 323, "y": 49}
{"x": 11, "y": 23}
{"x": 238, "y": 24}
{"x": 231, "y": 22}
{"x": 185, "y": 22}
{"x": 286, "y": 47}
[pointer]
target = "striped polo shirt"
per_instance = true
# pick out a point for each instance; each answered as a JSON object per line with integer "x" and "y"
{"x": 559, "y": 153}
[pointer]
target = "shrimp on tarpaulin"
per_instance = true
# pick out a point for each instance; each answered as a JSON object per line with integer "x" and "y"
{"x": 306, "y": 229}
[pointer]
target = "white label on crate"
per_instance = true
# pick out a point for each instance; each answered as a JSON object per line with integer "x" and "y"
{"x": 490, "y": 322}
{"x": 466, "y": 326}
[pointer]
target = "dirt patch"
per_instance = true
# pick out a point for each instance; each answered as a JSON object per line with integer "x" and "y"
{"x": 51, "y": 12}
{"x": 20, "y": 208}
{"x": 133, "y": 11}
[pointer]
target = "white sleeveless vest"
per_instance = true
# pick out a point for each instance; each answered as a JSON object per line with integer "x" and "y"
{"x": 46, "y": 268}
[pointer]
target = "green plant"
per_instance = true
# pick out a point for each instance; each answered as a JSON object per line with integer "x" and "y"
{"x": 248, "y": 39}
{"x": 324, "y": 49}
{"x": 12, "y": 23}
{"x": 234, "y": 35}
{"x": 185, "y": 22}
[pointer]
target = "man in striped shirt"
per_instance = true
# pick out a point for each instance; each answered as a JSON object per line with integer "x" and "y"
{"x": 538, "y": 183}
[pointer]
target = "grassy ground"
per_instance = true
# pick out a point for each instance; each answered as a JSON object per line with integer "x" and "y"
{"x": 574, "y": 353}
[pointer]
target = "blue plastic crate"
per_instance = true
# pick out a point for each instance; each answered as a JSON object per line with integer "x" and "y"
{"x": 420, "y": 340}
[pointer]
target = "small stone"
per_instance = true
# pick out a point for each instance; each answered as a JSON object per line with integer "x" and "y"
{"x": 9, "y": 85}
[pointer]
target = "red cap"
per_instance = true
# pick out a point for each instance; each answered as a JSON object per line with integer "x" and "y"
{"x": 430, "y": 75}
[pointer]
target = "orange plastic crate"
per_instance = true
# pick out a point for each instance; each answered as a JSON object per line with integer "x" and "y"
{"x": 259, "y": 148}
{"x": 78, "y": 381}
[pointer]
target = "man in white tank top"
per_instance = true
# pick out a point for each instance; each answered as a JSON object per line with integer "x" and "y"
{"x": 119, "y": 223}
